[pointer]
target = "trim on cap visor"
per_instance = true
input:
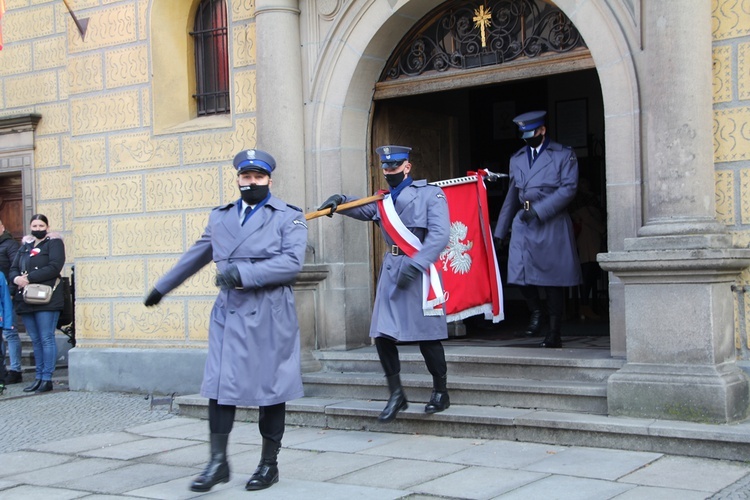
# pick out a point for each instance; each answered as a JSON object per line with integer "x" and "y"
{"x": 254, "y": 164}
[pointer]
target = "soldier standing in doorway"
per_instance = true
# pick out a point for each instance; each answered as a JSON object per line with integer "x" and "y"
{"x": 542, "y": 251}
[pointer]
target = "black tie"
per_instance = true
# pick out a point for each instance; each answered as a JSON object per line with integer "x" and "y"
{"x": 533, "y": 155}
{"x": 247, "y": 211}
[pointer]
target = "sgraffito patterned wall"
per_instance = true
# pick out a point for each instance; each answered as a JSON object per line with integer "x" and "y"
{"x": 731, "y": 66}
{"x": 128, "y": 201}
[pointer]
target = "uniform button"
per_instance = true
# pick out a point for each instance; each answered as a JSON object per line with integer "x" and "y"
{"x": 231, "y": 311}
{"x": 253, "y": 312}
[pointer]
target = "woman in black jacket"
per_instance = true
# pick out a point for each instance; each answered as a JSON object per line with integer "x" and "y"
{"x": 40, "y": 260}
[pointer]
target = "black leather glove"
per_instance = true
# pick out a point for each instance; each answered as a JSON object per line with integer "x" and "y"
{"x": 154, "y": 297}
{"x": 333, "y": 203}
{"x": 529, "y": 215}
{"x": 409, "y": 274}
{"x": 229, "y": 279}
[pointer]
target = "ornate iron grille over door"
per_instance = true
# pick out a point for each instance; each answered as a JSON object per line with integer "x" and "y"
{"x": 211, "y": 58}
{"x": 472, "y": 34}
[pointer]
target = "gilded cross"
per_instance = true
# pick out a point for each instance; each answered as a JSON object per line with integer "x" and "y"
{"x": 481, "y": 20}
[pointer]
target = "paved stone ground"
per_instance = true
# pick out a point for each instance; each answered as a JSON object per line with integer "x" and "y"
{"x": 28, "y": 419}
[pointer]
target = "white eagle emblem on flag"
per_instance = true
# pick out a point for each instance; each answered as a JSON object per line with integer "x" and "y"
{"x": 455, "y": 252}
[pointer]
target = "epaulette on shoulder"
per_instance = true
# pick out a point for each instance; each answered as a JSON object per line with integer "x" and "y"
{"x": 298, "y": 209}
{"x": 223, "y": 207}
{"x": 519, "y": 152}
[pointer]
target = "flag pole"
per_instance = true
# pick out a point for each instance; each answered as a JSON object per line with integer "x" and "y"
{"x": 377, "y": 197}
{"x": 81, "y": 24}
{"x": 344, "y": 206}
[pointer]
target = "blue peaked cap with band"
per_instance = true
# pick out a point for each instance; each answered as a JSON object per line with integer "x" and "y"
{"x": 254, "y": 159}
{"x": 529, "y": 122}
{"x": 392, "y": 154}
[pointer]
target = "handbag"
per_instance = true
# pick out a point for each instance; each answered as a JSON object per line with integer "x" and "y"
{"x": 37, "y": 294}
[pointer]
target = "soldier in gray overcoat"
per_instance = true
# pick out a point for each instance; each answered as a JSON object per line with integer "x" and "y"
{"x": 542, "y": 251}
{"x": 258, "y": 244}
{"x": 399, "y": 313}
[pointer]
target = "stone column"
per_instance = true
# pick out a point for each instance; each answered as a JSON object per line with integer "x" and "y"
{"x": 279, "y": 95}
{"x": 677, "y": 273}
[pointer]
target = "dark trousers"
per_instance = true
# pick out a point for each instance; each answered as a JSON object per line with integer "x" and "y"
{"x": 271, "y": 419}
{"x": 555, "y": 298}
{"x": 589, "y": 273}
{"x": 432, "y": 352}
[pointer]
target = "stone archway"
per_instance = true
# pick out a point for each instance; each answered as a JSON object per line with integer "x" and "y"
{"x": 365, "y": 34}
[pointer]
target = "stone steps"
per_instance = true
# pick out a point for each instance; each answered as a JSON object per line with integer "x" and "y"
{"x": 728, "y": 442}
{"x": 554, "y": 396}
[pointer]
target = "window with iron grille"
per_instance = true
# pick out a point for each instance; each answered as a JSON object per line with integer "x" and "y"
{"x": 211, "y": 58}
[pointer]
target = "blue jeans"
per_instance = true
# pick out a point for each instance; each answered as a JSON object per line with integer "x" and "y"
{"x": 14, "y": 349}
{"x": 41, "y": 327}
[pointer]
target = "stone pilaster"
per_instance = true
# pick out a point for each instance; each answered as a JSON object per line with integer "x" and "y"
{"x": 677, "y": 273}
{"x": 279, "y": 95}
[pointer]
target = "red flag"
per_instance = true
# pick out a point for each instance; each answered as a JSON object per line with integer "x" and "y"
{"x": 2, "y": 11}
{"x": 471, "y": 275}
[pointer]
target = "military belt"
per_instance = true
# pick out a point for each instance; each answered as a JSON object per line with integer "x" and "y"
{"x": 395, "y": 250}
{"x": 527, "y": 205}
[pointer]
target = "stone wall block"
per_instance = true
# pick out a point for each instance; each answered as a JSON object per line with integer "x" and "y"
{"x": 15, "y": 59}
{"x": 88, "y": 156}
{"x": 725, "y": 211}
{"x": 134, "y": 321}
{"x": 49, "y": 53}
{"x": 55, "y": 118}
{"x": 199, "y": 317}
{"x": 92, "y": 238}
{"x": 199, "y": 284}
{"x": 147, "y": 235}
{"x": 730, "y": 142}
{"x": 107, "y": 28}
{"x": 127, "y": 66}
{"x": 35, "y": 88}
{"x": 54, "y": 184}
{"x": 243, "y": 45}
{"x": 140, "y": 151}
{"x": 722, "y": 69}
{"x": 743, "y": 71}
{"x": 47, "y": 152}
{"x": 244, "y": 91}
{"x": 118, "y": 111}
{"x": 110, "y": 278}
{"x": 242, "y": 9}
{"x": 728, "y": 21}
{"x": 85, "y": 73}
{"x": 194, "y": 188}
{"x": 108, "y": 196}
{"x": 93, "y": 321}
{"x": 28, "y": 24}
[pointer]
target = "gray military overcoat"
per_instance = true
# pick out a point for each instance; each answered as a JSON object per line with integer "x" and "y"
{"x": 253, "y": 338}
{"x": 542, "y": 252}
{"x": 397, "y": 313}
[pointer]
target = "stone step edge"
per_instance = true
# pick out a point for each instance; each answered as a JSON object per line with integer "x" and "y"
{"x": 720, "y": 441}
{"x": 517, "y": 357}
{"x": 460, "y": 382}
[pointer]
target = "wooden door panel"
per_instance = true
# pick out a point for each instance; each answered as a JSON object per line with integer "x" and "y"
{"x": 431, "y": 136}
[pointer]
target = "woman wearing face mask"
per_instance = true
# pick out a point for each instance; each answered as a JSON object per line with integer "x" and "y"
{"x": 40, "y": 260}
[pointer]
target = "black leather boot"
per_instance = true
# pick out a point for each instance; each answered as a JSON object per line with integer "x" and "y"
{"x": 33, "y": 386}
{"x": 439, "y": 400}
{"x": 535, "y": 323}
{"x": 13, "y": 377}
{"x": 45, "y": 386}
{"x": 267, "y": 472}
{"x": 217, "y": 470}
{"x": 396, "y": 402}
{"x": 553, "y": 339}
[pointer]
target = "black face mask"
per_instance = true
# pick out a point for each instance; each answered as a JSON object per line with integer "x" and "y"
{"x": 40, "y": 235}
{"x": 534, "y": 142}
{"x": 253, "y": 194}
{"x": 394, "y": 180}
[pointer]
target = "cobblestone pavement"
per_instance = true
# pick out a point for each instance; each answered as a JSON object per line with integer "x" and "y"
{"x": 28, "y": 419}
{"x": 737, "y": 491}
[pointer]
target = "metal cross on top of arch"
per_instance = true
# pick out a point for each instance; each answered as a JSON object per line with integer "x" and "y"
{"x": 462, "y": 34}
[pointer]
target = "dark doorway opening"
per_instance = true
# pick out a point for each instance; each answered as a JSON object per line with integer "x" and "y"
{"x": 481, "y": 134}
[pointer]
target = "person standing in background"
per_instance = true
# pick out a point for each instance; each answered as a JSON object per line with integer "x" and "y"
{"x": 40, "y": 260}
{"x": 542, "y": 252}
{"x": 8, "y": 250}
